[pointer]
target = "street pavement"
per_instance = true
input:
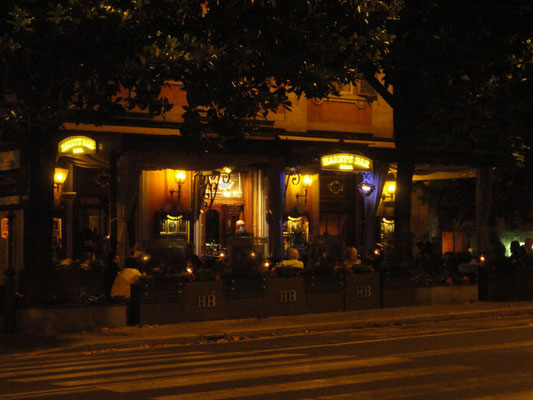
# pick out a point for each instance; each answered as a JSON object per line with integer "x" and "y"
{"x": 239, "y": 329}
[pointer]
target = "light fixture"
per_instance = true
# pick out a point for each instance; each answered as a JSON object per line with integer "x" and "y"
{"x": 390, "y": 186}
{"x": 179, "y": 177}
{"x": 225, "y": 174}
{"x": 60, "y": 175}
{"x": 366, "y": 188}
{"x": 307, "y": 182}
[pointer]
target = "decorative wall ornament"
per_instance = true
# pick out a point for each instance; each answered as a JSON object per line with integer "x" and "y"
{"x": 335, "y": 187}
{"x": 101, "y": 178}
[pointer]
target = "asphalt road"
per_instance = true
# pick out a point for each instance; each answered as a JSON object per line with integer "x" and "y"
{"x": 481, "y": 360}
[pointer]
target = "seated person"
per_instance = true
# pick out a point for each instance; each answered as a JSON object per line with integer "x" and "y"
{"x": 291, "y": 261}
{"x": 353, "y": 264}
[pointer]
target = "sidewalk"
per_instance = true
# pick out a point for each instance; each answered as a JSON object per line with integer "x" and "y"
{"x": 197, "y": 332}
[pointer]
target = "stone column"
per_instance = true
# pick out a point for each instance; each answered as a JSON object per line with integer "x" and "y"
{"x": 276, "y": 202}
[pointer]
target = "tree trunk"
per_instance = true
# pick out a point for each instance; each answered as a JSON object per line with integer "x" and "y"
{"x": 405, "y": 139}
{"x": 483, "y": 209}
{"x": 39, "y": 207}
{"x": 402, "y": 210}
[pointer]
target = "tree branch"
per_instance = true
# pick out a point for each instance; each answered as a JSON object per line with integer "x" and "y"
{"x": 381, "y": 89}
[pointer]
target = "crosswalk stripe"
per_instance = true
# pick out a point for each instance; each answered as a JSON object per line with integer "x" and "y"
{"x": 107, "y": 371}
{"x": 251, "y": 374}
{"x": 45, "y": 393}
{"x": 466, "y": 349}
{"x": 226, "y": 368}
{"x": 237, "y": 393}
{"x": 388, "y": 393}
{"x": 528, "y": 394}
{"x": 57, "y": 366}
{"x": 23, "y": 359}
{"x": 35, "y": 370}
{"x": 409, "y": 391}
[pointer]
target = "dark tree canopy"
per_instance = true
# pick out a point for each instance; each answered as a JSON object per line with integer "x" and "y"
{"x": 90, "y": 60}
{"x": 464, "y": 72}
{"x": 461, "y": 73}
{"x": 68, "y": 60}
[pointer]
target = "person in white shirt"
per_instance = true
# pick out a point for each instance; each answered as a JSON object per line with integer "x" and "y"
{"x": 292, "y": 260}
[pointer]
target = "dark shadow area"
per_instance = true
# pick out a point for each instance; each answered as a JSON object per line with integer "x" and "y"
{"x": 19, "y": 342}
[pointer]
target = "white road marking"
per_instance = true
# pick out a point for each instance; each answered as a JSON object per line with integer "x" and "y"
{"x": 225, "y": 368}
{"x": 409, "y": 391}
{"x": 106, "y": 371}
{"x": 237, "y": 393}
{"x": 73, "y": 365}
{"x": 290, "y": 370}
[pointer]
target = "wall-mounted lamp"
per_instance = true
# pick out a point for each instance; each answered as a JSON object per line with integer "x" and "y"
{"x": 366, "y": 188}
{"x": 60, "y": 175}
{"x": 390, "y": 188}
{"x": 307, "y": 182}
{"x": 226, "y": 174}
{"x": 179, "y": 177}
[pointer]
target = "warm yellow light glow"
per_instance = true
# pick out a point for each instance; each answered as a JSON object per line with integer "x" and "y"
{"x": 179, "y": 176}
{"x": 308, "y": 180}
{"x": 391, "y": 187}
{"x": 60, "y": 175}
{"x": 226, "y": 170}
{"x": 346, "y": 162}
{"x": 77, "y": 145}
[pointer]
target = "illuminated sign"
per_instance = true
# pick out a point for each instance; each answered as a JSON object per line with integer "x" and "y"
{"x": 345, "y": 162}
{"x": 77, "y": 145}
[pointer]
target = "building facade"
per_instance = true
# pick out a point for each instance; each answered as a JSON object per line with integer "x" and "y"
{"x": 134, "y": 182}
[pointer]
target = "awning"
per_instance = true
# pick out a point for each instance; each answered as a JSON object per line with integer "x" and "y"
{"x": 429, "y": 172}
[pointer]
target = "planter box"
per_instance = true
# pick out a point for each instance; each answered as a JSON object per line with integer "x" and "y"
{"x": 245, "y": 297}
{"x": 204, "y": 301}
{"x": 362, "y": 291}
{"x": 417, "y": 296}
{"x": 454, "y": 294}
{"x": 52, "y": 320}
{"x": 286, "y": 295}
{"x": 156, "y": 301}
{"x": 324, "y": 293}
